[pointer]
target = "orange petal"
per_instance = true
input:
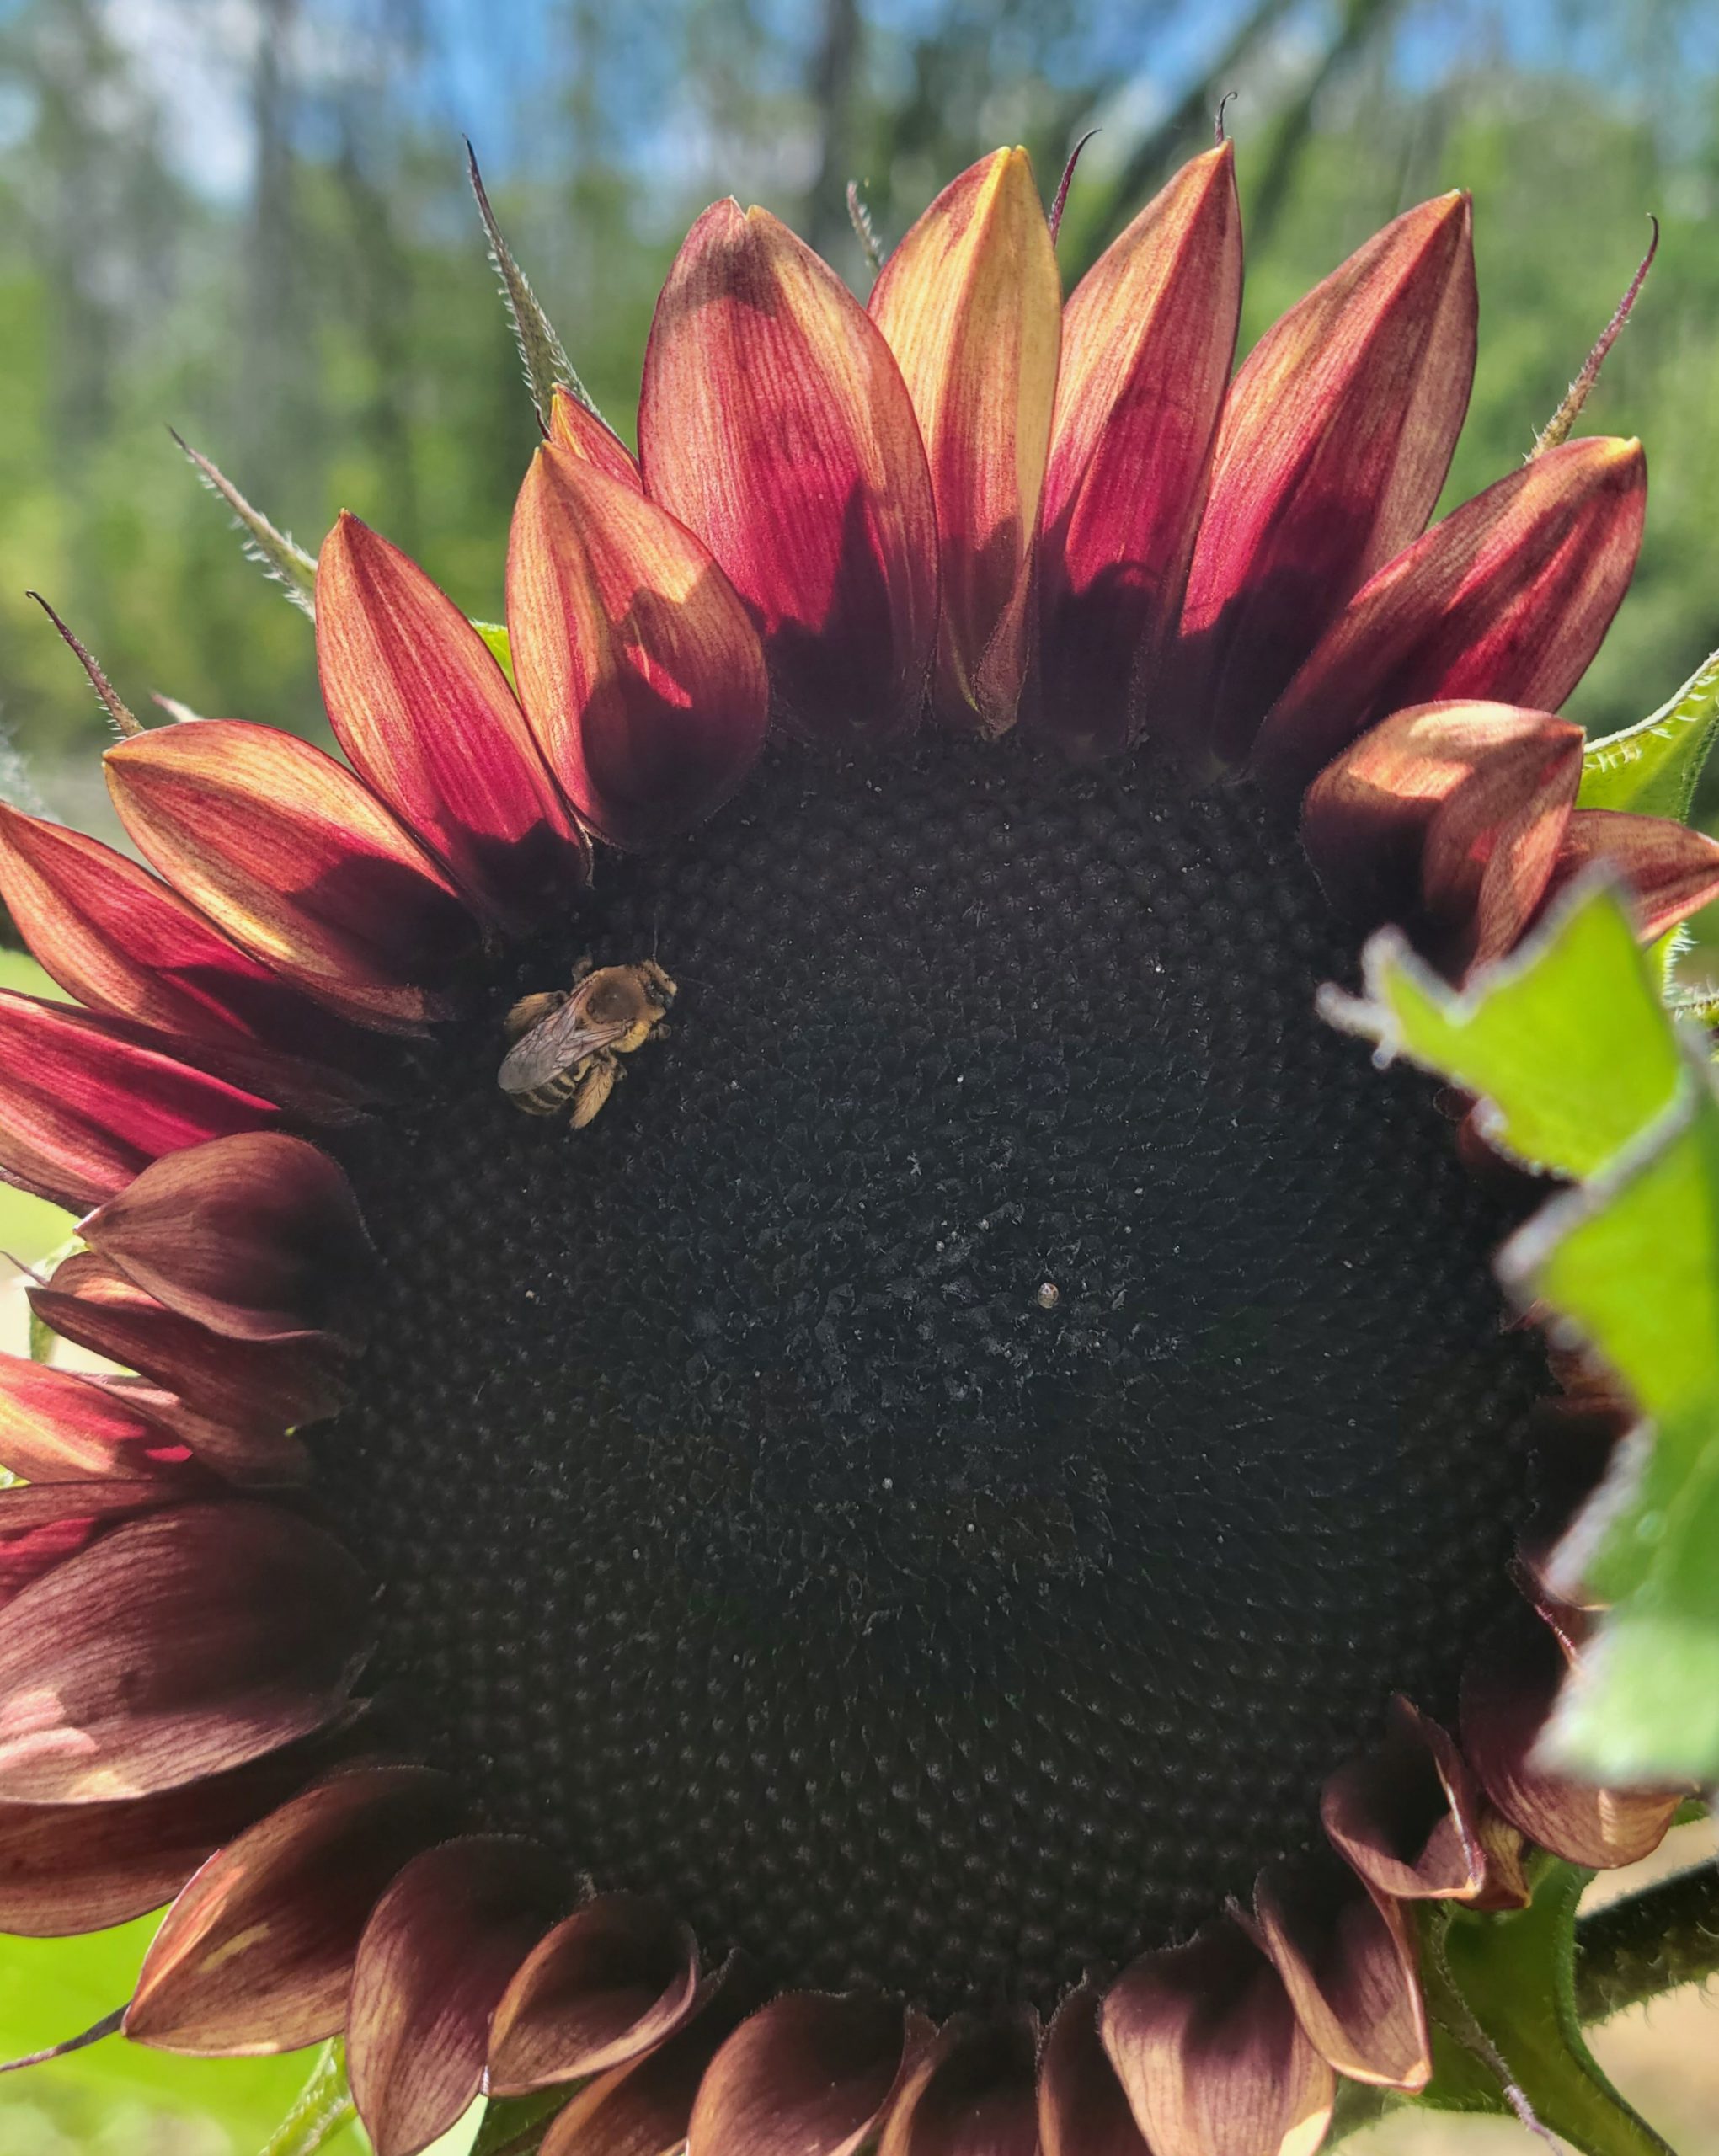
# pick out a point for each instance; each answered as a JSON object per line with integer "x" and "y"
{"x": 86, "y": 1103}
{"x": 256, "y": 1955}
{"x": 1335, "y": 441}
{"x": 1672, "y": 871}
{"x": 575, "y": 428}
{"x": 1447, "y": 818}
{"x": 125, "y": 946}
{"x": 636, "y": 660}
{"x": 1211, "y": 2054}
{"x": 277, "y": 1383}
{"x": 290, "y": 854}
{"x": 1147, "y": 340}
{"x": 609, "y": 1983}
{"x": 428, "y": 721}
{"x": 970, "y": 303}
{"x": 258, "y": 1237}
{"x": 806, "y": 2076}
{"x": 434, "y": 1959}
{"x": 1082, "y": 2109}
{"x": 176, "y": 1646}
{"x": 1508, "y": 598}
{"x": 1347, "y": 1962}
{"x": 774, "y": 423}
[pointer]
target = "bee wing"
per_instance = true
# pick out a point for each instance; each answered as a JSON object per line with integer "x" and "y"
{"x": 565, "y": 1037}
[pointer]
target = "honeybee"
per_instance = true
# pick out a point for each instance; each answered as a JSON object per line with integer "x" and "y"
{"x": 567, "y": 1043}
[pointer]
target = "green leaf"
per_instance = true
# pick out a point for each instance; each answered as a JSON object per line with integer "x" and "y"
{"x": 43, "y": 1341}
{"x": 494, "y": 634}
{"x": 1567, "y": 1040}
{"x": 324, "y": 2107}
{"x": 1500, "y": 1994}
{"x": 1585, "y": 1073}
{"x": 1651, "y": 768}
{"x": 514, "y": 2126}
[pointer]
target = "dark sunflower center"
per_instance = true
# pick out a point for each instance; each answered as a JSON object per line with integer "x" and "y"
{"x": 934, "y": 1477}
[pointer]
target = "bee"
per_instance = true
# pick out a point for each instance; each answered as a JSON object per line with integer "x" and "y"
{"x": 567, "y": 1043}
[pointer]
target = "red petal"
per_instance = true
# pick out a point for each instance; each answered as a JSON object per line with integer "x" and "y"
{"x": 970, "y": 303}
{"x": 290, "y": 854}
{"x": 1508, "y": 599}
{"x": 607, "y": 1984}
{"x": 1335, "y": 441}
{"x": 637, "y": 662}
{"x": 644, "y": 2109}
{"x": 575, "y": 428}
{"x": 1082, "y": 2110}
{"x": 278, "y": 1383}
{"x": 1347, "y": 1963}
{"x": 774, "y": 423}
{"x": 256, "y": 1955}
{"x": 1672, "y": 871}
{"x": 86, "y": 1103}
{"x": 972, "y": 2092}
{"x": 42, "y": 1524}
{"x": 1407, "y": 1814}
{"x": 178, "y": 1646}
{"x": 256, "y": 1455}
{"x": 429, "y": 723}
{"x": 1447, "y": 818}
{"x": 257, "y": 1237}
{"x": 806, "y": 2076}
{"x": 66, "y": 1868}
{"x": 1147, "y": 340}
{"x": 1507, "y": 1692}
{"x": 58, "y": 1426}
{"x": 435, "y": 1957}
{"x": 1211, "y": 2054}
{"x": 124, "y": 945}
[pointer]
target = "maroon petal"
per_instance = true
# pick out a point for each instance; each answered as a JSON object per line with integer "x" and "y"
{"x": 1347, "y": 1963}
{"x": 428, "y": 721}
{"x": 607, "y": 1984}
{"x": 1448, "y": 819}
{"x": 275, "y": 1383}
{"x": 1507, "y": 1692}
{"x": 124, "y": 945}
{"x": 257, "y": 1953}
{"x": 85, "y": 1102}
{"x": 1335, "y": 442}
{"x": 645, "y": 2108}
{"x": 1406, "y": 1815}
{"x": 43, "y": 1523}
{"x": 178, "y": 1646}
{"x": 1211, "y": 2052}
{"x": 1672, "y": 871}
{"x": 774, "y": 423}
{"x": 574, "y": 427}
{"x": 1147, "y": 339}
{"x": 972, "y": 2092}
{"x": 299, "y": 861}
{"x": 807, "y": 2075}
{"x": 1509, "y": 599}
{"x": 434, "y": 1960}
{"x": 257, "y": 1237}
{"x": 258, "y": 1455}
{"x": 58, "y": 1426}
{"x": 66, "y": 1868}
{"x": 1082, "y": 2109}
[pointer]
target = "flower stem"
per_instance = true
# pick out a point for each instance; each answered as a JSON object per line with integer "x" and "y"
{"x": 1649, "y": 1943}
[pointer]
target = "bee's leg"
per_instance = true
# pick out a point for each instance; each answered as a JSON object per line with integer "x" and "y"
{"x": 594, "y": 1089}
{"x": 531, "y": 1011}
{"x": 582, "y": 966}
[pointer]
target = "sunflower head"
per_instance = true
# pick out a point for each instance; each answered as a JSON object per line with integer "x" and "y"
{"x": 942, "y": 1544}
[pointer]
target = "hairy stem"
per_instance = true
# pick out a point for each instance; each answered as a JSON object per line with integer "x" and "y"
{"x": 1649, "y": 1943}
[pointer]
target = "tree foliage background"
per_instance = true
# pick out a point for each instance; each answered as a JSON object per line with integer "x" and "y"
{"x": 248, "y": 219}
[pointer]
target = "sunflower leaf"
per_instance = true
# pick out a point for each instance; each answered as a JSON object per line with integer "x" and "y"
{"x": 494, "y": 634}
{"x": 514, "y": 2126}
{"x": 1501, "y": 1997}
{"x": 324, "y": 2105}
{"x": 1582, "y": 1071}
{"x": 1651, "y": 768}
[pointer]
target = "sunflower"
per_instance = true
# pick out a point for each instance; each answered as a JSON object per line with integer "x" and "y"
{"x": 952, "y": 1564}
